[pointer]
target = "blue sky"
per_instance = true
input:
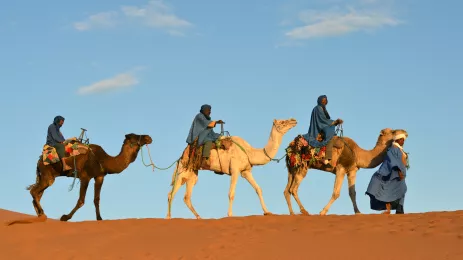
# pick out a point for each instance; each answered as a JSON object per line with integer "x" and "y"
{"x": 116, "y": 67}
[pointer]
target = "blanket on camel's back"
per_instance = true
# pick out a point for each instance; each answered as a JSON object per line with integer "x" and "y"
{"x": 300, "y": 154}
{"x": 72, "y": 148}
{"x": 192, "y": 155}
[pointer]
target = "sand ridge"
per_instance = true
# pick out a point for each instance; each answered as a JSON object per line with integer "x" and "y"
{"x": 434, "y": 235}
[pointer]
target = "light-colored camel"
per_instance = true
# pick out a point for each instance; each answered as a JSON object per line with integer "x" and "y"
{"x": 233, "y": 162}
{"x": 349, "y": 158}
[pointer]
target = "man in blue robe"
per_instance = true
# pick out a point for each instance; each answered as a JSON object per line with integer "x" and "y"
{"x": 202, "y": 128}
{"x": 387, "y": 186}
{"x": 56, "y": 139}
{"x": 321, "y": 123}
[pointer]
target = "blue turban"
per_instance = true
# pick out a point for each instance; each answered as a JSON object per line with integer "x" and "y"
{"x": 57, "y": 119}
{"x": 204, "y": 107}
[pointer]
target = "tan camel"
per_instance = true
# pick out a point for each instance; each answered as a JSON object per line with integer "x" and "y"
{"x": 95, "y": 164}
{"x": 233, "y": 161}
{"x": 348, "y": 158}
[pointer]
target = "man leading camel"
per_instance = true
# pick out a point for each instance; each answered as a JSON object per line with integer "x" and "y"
{"x": 202, "y": 128}
{"x": 321, "y": 123}
{"x": 387, "y": 186}
{"x": 56, "y": 139}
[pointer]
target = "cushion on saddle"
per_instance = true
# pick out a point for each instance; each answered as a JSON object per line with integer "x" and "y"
{"x": 50, "y": 156}
{"x": 299, "y": 153}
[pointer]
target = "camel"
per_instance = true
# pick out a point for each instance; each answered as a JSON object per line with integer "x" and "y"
{"x": 348, "y": 158}
{"x": 237, "y": 159}
{"x": 95, "y": 164}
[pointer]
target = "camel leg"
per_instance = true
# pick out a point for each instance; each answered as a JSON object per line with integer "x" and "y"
{"x": 231, "y": 193}
{"x": 351, "y": 176}
{"x": 287, "y": 192}
{"x": 248, "y": 176}
{"x": 37, "y": 191}
{"x": 98, "y": 184}
{"x": 340, "y": 172}
{"x": 294, "y": 191}
{"x": 171, "y": 194}
{"x": 80, "y": 202}
{"x": 191, "y": 182}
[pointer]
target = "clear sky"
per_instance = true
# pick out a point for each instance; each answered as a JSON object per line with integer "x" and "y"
{"x": 116, "y": 67}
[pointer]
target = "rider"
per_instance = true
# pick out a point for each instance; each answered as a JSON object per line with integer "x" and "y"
{"x": 202, "y": 128}
{"x": 321, "y": 123}
{"x": 56, "y": 139}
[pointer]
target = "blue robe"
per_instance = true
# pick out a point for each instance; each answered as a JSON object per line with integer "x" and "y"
{"x": 385, "y": 184}
{"x": 199, "y": 129}
{"x": 320, "y": 121}
{"x": 54, "y": 134}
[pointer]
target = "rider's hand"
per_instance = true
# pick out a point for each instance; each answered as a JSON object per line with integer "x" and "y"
{"x": 401, "y": 175}
{"x": 339, "y": 121}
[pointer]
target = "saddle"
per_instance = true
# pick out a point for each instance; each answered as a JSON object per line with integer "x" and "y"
{"x": 192, "y": 158}
{"x": 72, "y": 147}
{"x": 301, "y": 154}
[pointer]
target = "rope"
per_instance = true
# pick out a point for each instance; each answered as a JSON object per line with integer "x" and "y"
{"x": 75, "y": 175}
{"x": 151, "y": 161}
{"x": 275, "y": 160}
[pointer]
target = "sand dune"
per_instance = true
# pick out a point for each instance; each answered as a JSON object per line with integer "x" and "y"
{"x": 436, "y": 235}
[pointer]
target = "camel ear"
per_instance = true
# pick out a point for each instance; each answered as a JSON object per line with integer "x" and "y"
{"x": 274, "y": 121}
{"x": 129, "y": 136}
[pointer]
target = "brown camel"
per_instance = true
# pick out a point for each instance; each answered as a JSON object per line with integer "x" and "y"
{"x": 95, "y": 164}
{"x": 348, "y": 158}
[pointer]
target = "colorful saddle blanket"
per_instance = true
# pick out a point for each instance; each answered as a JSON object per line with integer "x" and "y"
{"x": 50, "y": 156}
{"x": 299, "y": 153}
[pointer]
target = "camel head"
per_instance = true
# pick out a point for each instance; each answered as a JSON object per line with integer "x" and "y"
{"x": 140, "y": 140}
{"x": 283, "y": 126}
{"x": 387, "y": 135}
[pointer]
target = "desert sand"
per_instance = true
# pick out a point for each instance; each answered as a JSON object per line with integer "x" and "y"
{"x": 435, "y": 235}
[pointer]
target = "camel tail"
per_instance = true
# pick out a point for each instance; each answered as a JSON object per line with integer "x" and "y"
{"x": 37, "y": 179}
{"x": 38, "y": 219}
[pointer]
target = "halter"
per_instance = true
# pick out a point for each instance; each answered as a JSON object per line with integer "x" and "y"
{"x": 138, "y": 142}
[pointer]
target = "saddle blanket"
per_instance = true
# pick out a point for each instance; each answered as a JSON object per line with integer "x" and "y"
{"x": 300, "y": 153}
{"x": 50, "y": 156}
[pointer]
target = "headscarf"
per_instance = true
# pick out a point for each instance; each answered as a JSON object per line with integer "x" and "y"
{"x": 319, "y": 102}
{"x": 57, "y": 120}
{"x": 204, "y": 107}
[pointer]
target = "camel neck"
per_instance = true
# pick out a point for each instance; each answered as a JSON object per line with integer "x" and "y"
{"x": 261, "y": 157}
{"x": 371, "y": 158}
{"x": 127, "y": 155}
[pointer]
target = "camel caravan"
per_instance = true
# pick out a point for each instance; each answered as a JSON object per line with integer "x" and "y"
{"x": 323, "y": 148}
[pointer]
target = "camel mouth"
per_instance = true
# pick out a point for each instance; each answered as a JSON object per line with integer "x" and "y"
{"x": 148, "y": 140}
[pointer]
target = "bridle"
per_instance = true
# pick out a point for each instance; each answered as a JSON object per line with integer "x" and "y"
{"x": 137, "y": 143}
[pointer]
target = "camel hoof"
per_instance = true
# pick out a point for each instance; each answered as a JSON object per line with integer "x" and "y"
{"x": 305, "y": 212}
{"x": 198, "y": 217}
{"x": 268, "y": 214}
{"x": 358, "y": 213}
{"x": 291, "y": 213}
{"x": 168, "y": 217}
{"x": 323, "y": 213}
{"x": 99, "y": 218}
{"x": 65, "y": 218}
